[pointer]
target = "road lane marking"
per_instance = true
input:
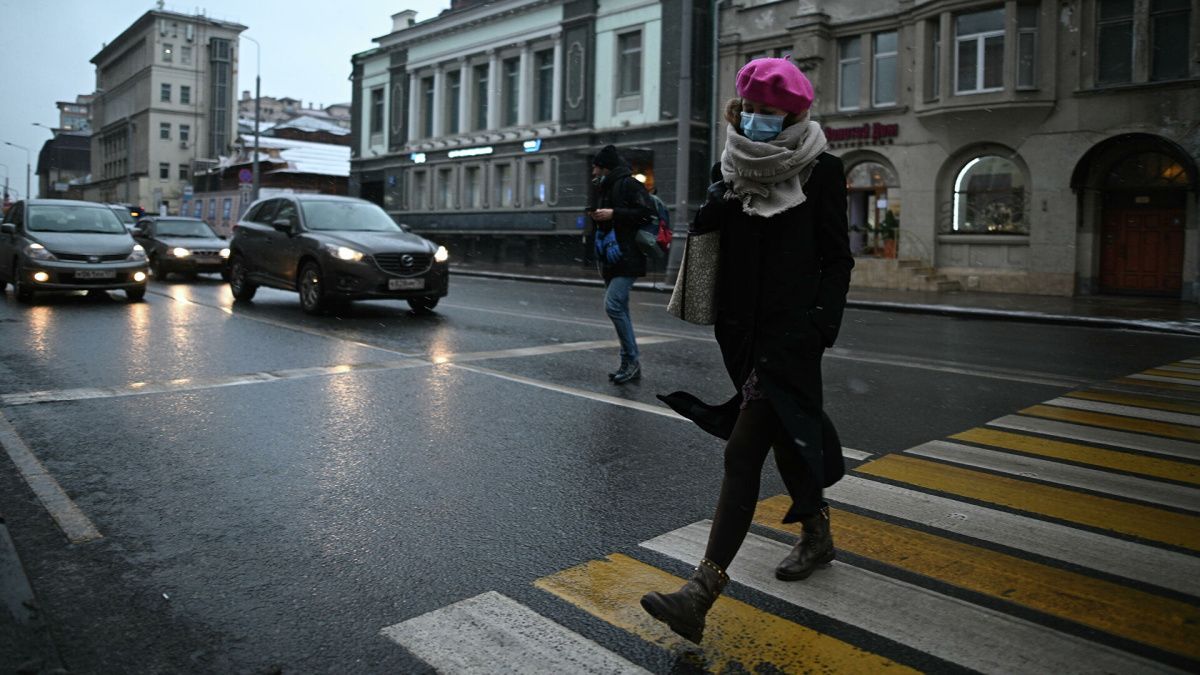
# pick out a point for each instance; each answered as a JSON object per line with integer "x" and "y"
{"x": 1078, "y": 432}
{"x": 1103, "y": 482}
{"x": 70, "y": 518}
{"x": 1151, "y": 402}
{"x": 1126, "y": 411}
{"x": 1148, "y": 564}
{"x": 1145, "y": 522}
{"x": 1166, "y": 623}
{"x": 1084, "y": 454}
{"x": 543, "y": 350}
{"x": 491, "y": 633}
{"x": 975, "y": 637}
{"x": 738, "y": 637}
{"x": 1115, "y": 422}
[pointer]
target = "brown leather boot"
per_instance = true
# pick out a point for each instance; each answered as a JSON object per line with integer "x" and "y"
{"x": 815, "y": 548}
{"x": 684, "y": 610}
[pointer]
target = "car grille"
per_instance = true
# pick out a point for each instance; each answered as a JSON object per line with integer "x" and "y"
{"x": 77, "y": 257}
{"x": 206, "y": 254}
{"x": 418, "y": 263}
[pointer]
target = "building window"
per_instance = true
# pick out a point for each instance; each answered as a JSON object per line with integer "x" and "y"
{"x": 164, "y": 171}
{"x": 185, "y": 132}
{"x": 1027, "y": 37}
{"x": 445, "y": 188}
{"x": 1114, "y": 41}
{"x": 453, "y": 93}
{"x": 504, "y": 185}
{"x": 185, "y": 55}
{"x": 377, "y": 110}
{"x": 221, "y": 74}
{"x": 168, "y": 52}
{"x": 1169, "y": 24}
{"x": 427, "y": 111}
{"x": 420, "y": 200}
{"x": 473, "y": 187}
{"x": 164, "y": 93}
{"x": 183, "y": 172}
{"x": 979, "y": 51}
{"x": 935, "y": 79}
{"x": 989, "y": 197}
{"x": 480, "y": 119}
{"x": 849, "y": 72}
{"x": 883, "y": 74}
{"x": 629, "y": 64}
{"x": 537, "y": 180}
{"x": 164, "y": 131}
{"x": 511, "y": 69}
{"x": 543, "y": 63}
{"x": 185, "y": 94}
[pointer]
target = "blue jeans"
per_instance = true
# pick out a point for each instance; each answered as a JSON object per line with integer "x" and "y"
{"x": 616, "y": 305}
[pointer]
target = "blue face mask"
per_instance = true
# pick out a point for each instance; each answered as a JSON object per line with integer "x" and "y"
{"x": 761, "y": 127}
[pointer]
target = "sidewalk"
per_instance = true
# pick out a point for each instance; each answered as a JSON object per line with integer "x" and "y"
{"x": 1162, "y": 315}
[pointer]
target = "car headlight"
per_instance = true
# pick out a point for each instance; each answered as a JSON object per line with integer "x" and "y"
{"x": 344, "y": 253}
{"x": 224, "y": 253}
{"x": 36, "y": 251}
{"x": 442, "y": 255}
{"x": 138, "y": 254}
{"x": 180, "y": 252}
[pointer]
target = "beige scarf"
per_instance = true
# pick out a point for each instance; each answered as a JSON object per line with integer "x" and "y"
{"x": 769, "y": 177}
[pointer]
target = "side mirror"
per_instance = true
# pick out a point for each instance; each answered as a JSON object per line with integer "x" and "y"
{"x": 8, "y": 228}
{"x": 282, "y": 225}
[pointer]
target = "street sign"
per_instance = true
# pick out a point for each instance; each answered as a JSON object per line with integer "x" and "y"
{"x": 245, "y": 176}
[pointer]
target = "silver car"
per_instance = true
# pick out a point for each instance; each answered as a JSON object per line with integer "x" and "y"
{"x": 63, "y": 245}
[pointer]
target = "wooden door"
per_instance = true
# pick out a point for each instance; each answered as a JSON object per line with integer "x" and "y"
{"x": 1142, "y": 251}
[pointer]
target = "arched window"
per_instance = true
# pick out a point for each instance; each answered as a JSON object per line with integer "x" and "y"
{"x": 1146, "y": 170}
{"x": 990, "y": 197}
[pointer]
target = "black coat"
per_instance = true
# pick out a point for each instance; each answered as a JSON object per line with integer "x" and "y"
{"x": 632, "y": 208}
{"x": 781, "y": 293}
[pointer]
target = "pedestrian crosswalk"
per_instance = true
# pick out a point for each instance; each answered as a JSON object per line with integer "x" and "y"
{"x": 1064, "y": 538}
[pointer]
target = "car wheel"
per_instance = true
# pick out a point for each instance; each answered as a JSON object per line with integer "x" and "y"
{"x": 423, "y": 305}
{"x": 225, "y": 274}
{"x": 156, "y": 269}
{"x": 239, "y": 285}
{"x": 136, "y": 294}
{"x": 22, "y": 290}
{"x": 312, "y": 289}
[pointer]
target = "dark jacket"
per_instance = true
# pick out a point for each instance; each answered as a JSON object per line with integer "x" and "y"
{"x": 632, "y": 208}
{"x": 781, "y": 292}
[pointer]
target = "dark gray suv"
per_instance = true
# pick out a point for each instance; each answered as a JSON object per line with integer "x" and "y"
{"x": 64, "y": 245}
{"x": 333, "y": 249}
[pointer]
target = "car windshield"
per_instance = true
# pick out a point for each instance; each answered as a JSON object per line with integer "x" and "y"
{"x": 347, "y": 216}
{"x": 72, "y": 218}
{"x": 183, "y": 228}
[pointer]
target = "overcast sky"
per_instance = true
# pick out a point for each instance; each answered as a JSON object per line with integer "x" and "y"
{"x": 46, "y": 49}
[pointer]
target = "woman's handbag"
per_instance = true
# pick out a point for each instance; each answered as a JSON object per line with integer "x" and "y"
{"x": 695, "y": 296}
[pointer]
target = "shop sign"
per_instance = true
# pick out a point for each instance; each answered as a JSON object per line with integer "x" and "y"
{"x": 864, "y": 134}
{"x": 469, "y": 152}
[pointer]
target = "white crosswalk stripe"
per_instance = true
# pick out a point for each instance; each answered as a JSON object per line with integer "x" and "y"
{"x": 955, "y": 630}
{"x": 1118, "y": 439}
{"x": 491, "y": 633}
{"x": 1170, "y": 380}
{"x": 1127, "y": 411}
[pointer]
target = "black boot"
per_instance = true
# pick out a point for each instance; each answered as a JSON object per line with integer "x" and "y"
{"x": 685, "y": 609}
{"x": 631, "y": 371}
{"x": 814, "y": 549}
{"x": 624, "y": 365}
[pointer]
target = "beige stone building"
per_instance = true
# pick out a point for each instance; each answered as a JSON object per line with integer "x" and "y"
{"x": 1041, "y": 146}
{"x": 165, "y": 106}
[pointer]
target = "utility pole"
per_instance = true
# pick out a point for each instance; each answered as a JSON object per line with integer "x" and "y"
{"x": 683, "y": 142}
{"x": 28, "y": 161}
{"x": 257, "y": 103}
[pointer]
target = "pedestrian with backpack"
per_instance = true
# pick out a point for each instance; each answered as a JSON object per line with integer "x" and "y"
{"x": 622, "y": 206}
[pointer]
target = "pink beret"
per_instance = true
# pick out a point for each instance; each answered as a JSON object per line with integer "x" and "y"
{"x": 777, "y": 83}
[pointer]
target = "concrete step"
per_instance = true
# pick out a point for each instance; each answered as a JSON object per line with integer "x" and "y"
{"x": 910, "y": 262}
{"x": 943, "y": 286}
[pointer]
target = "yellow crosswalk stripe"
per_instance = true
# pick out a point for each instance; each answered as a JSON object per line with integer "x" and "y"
{"x": 1084, "y": 454}
{"x": 1172, "y": 373}
{"x": 1078, "y": 507}
{"x": 1195, "y": 368}
{"x": 1096, "y": 419}
{"x": 1130, "y": 613}
{"x": 1139, "y": 401}
{"x": 1186, "y": 390}
{"x": 738, "y": 636}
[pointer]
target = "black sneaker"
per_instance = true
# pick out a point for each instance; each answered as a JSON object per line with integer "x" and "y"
{"x": 623, "y": 366}
{"x": 632, "y": 371}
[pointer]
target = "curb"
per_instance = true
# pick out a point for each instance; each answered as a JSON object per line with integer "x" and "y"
{"x": 1150, "y": 325}
{"x": 32, "y": 649}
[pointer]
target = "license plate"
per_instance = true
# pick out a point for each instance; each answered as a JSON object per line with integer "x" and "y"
{"x": 405, "y": 284}
{"x": 95, "y": 274}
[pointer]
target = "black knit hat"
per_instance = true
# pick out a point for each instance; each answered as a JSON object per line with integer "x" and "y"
{"x": 608, "y": 158}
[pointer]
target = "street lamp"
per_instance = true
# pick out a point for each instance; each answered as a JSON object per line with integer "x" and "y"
{"x": 257, "y": 101}
{"x": 28, "y": 161}
{"x": 50, "y": 129}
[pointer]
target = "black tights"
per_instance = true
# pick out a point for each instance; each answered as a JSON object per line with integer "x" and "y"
{"x": 757, "y": 429}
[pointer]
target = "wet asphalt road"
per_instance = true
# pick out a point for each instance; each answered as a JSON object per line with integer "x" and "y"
{"x": 254, "y": 525}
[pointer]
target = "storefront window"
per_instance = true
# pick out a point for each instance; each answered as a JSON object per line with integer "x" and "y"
{"x": 989, "y": 197}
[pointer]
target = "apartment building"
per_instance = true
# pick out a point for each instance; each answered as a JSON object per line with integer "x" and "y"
{"x": 478, "y": 126}
{"x": 164, "y": 107}
{"x": 1033, "y": 146}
